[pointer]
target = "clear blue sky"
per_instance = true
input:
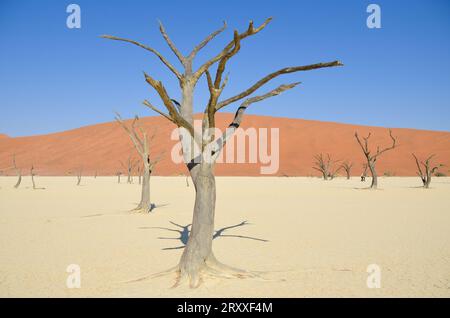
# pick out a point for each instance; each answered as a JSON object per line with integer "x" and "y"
{"x": 53, "y": 78}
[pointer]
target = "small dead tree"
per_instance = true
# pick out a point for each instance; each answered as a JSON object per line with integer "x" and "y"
{"x": 198, "y": 258}
{"x": 18, "y": 172}
{"x": 79, "y": 173}
{"x": 429, "y": 169}
{"x": 372, "y": 158}
{"x": 129, "y": 168}
{"x": 326, "y": 166}
{"x": 33, "y": 174}
{"x": 142, "y": 144}
{"x": 347, "y": 166}
{"x": 32, "y": 177}
{"x": 118, "y": 176}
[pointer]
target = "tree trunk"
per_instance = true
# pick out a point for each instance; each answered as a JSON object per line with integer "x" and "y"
{"x": 145, "y": 205}
{"x": 19, "y": 174}
{"x": 32, "y": 180}
{"x": 325, "y": 175}
{"x": 198, "y": 250}
{"x": 427, "y": 182}
{"x": 373, "y": 172}
{"x": 348, "y": 174}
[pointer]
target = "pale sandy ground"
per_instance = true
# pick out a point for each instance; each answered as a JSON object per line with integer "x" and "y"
{"x": 321, "y": 237}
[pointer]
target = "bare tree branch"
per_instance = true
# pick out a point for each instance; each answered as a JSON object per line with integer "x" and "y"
{"x": 173, "y": 111}
{"x": 379, "y": 152}
{"x": 149, "y": 105}
{"x": 250, "y": 31}
{"x": 271, "y": 76}
{"x": 172, "y": 46}
{"x": 206, "y": 41}
{"x": 162, "y": 58}
{"x": 220, "y": 143}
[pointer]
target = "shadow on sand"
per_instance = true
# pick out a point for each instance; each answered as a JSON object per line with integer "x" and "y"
{"x": 184, "y": 230}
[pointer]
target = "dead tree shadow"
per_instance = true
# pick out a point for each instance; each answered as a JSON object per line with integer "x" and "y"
{"x": 184, "y": 231}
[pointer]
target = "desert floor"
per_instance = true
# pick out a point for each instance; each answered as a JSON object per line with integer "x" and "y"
{"x": 320, "y": 237}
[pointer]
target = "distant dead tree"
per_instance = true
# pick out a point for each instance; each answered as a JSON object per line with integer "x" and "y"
{"x": 79, "y": 173}
{"x": 372, "y": 158}
{"x": 142, "y": 144}
{"x": 129, "y": 168}
{"x": 364, "y": 173}
{"x": 32, "y": 174}
{"x": 198, "y": 260}
{"x": 95, "y": 174}
{"x": 326, "y": 166}
{"x": 18, "y": 172}
{"x": 118, "y": 176}
{"x": 429, "y": 169}
{"x": 347, "y": 166}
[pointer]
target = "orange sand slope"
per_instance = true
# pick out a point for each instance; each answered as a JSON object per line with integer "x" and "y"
{"x": 100, "y": 148}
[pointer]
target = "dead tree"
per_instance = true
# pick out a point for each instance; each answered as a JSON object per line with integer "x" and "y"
{"x": 32, "y": 174}
{"x": 326, "y": 166}
{"x": 142, "y": 144}
{"x": 79, "y": 173}
{"x": 198, "y": 258}
{"x": 129, "y": 168}
{"x": 18, "y": 172}
{"x": 429, "y": 169}
{"x": 372, "y": 158}
{"x": 32, "y": 177}
{"x": 347, "y": 166}
{"x": 118, "y": 176}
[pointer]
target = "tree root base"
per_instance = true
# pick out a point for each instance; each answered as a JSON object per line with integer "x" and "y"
{"x": 145, "y": 210}
{"x": 209, "y": 270}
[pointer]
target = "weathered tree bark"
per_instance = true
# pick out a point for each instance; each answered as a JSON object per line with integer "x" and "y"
{"x": 142, "y": 144}
{"x": 373, "y": 173}
{"x": 139, "y": 175}
{"x": 372, "y": 158}
{"x": 425, "y": 175}
{"x": 18, "y": 172}
{"x": 198, "y": 251}
{"x": 198, "y": 259}
{"x": 145, "y": 205}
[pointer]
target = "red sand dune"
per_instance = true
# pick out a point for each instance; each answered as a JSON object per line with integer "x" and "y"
{"x": 100, "y": 148}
